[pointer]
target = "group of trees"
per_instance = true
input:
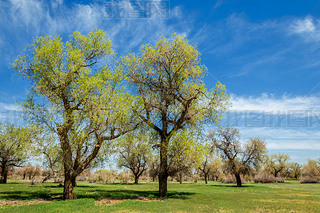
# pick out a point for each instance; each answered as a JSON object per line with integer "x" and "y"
{"x": 83, "y": 96}
{"x": 151, "y": 109}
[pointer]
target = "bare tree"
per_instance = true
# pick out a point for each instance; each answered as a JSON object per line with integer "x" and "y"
{"x": 239, "y": 159}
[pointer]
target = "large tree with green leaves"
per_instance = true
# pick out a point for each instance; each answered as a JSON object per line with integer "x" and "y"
{"x": 77, "y": 96}
{"x": 167, "y": 79}
{"x": 238, "y": 159}
{"x": 15, "y": 144}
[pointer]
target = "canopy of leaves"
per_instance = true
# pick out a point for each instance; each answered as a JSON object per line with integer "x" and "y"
{"x": 168, "y": 79}
{"x": 76, "y": 92}
{"x": 15, "y": 144}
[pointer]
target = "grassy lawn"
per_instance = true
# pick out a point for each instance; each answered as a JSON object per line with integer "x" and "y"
{"x": 189, "y": 197}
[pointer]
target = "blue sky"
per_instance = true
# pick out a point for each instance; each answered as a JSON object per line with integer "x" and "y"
{"x": 267, "y": 53}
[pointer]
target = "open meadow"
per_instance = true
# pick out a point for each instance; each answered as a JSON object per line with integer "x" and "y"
{"x": 188, "y": 197}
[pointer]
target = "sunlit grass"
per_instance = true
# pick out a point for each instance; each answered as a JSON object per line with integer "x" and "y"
{"x": 188, "y": 197}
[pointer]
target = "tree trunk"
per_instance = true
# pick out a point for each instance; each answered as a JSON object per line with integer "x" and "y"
{"x": 136, "y": 179}
{"x": 163, "y": 173}
{"x": 68, "y": 193}
{"x": 4, "y": 174}
{"x": 74, "y": 182}
{"x": 238, "y": 178}
{"x": 206, "y": 178}
{"x": 180, "y": 177}
{"x": 46, "y": 178}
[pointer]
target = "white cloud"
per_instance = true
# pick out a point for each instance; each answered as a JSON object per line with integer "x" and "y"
{"x": 308, "y": 28}
{"x": 268, "y": 103}
{"x": 302, "y": 145}
{"x": 35, "y": 17}
{"x": 9, "y": 107}
{"x": 56, "y": 3}
{"x": 284, "y": 138}
{"x": 304, "y": 25}
{"x": 26, "y": 12}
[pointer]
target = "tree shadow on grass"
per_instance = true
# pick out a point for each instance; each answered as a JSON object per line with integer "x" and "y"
{"x": 94, "y": 193}
{"x": 29, "y": 195}
{"x": 233, "y": 186}
{"x": 131, "y": 194}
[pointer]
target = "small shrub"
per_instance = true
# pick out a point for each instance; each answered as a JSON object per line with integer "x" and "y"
{"x": 232, "y": 179}
{"x": 308, "y": 179}
{"x": 229, "y": 179}
{"x": 280, "y": 179}
{"x": 264, "y": 177}
{"x": 124, "y": 177}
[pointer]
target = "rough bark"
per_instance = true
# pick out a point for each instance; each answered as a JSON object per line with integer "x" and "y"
{"x": 45, "y": 178}
{"x": 68, "y": 193}
{"x": 238, "y": 178}
{"x": 4, "y": 174}
{"x": 205, "y": 178}
{"x": 163, "y": 172}
{"x": 74, "y": 182}
{"x": 180, "y": 177}
{"x": 136, "y": 179}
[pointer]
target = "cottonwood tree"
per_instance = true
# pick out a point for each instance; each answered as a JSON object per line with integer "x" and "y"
{"x": 15, "y": 144}
{"x": 184, "y": 153}
{"x": 167, "y": 79}
{"x": 311, "y": 171}
{"x": 31, "y": 172}
{"x": 209, "y": 163}
{"x": 239, "y": 159}
{"x": 76, "y": 96}
{"x": 134, "y": 153}
{"x": 277, "y": 163}
{"x": 294, "y": 170}
{"x": 48, "y": 148}
{"x": 153, "y": 165}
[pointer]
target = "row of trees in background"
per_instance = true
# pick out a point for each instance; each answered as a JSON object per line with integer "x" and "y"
{"x": 222, "y": 158}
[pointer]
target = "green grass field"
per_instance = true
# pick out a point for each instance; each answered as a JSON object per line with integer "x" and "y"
{"x": 189, "y": 197}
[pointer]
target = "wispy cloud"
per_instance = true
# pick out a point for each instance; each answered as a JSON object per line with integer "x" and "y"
{"x": 9, "y": 107}
{"x": 269, "y": 103}
{"x": 282, "y": 139}
{"x": 305, "y": 25}
{"x": 308, "y": 28}
{"x": 32, "y": 18}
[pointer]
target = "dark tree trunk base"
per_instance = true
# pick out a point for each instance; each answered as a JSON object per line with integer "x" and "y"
{"x": 238, "y": 178}
{"x": 68, "y": 193}
{"x": 136, "y": 180}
